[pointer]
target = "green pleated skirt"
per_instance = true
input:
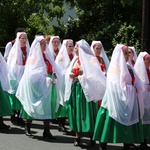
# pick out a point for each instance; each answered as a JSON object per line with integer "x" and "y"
{"x": 146, "y": 130}
{"x": 5, "y": 107}
{"x": 15, "y": 103}
{"x": 108, "y": 130}
{"x": 62, "y": 111}
{"x": 81, "y": 113}
{"x": 53, "y": 104}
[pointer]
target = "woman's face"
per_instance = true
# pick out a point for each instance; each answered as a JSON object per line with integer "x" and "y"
{"x": 23, "y": 40}
{"x": 76, "y": 50}
{"x": 126, "y": 54}
{"x": 55, "y": 43}
{"x": 97, "y": 49}
{"x": 70, "y": 47}
{"x": 147, "y": 62}
{"x": 43, "y": 45}
{"x": 131, "y": 54}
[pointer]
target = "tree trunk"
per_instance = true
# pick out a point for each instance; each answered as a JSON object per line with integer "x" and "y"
{"x": 145, "y": 39}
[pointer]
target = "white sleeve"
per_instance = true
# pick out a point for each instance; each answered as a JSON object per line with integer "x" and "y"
{"x": 7, "y": 50}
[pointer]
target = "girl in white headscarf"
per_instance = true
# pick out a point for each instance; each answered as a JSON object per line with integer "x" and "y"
{"x": 132, "y": 55}
{"x": 16, "y": 63}
{"x": 99, "y": 52}
{"x": 118, "y": 119}
{"x": 54, "y": 45}
{"x": 63, "y": 60}
{"x": 37, "y": 92}
{"x": 5, "y": 107}
{"x": 101, "y": 56}
{"x": 85, "y": 85}
{"x": 142, "y": 68}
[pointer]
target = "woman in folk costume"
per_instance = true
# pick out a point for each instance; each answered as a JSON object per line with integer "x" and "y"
{"x": 132, "y": 54}
{"x": 99, "y": 52}
{"x": 16, "y": 63}
{"x": 142, "y": 68}
{"x": 118, "y": 119}
{"x": 101, "y": 56}
{"x": 37, "y": 91}
{"x": 63, "y": 60}
{"x": 5, "y": 107}
{"x": 54, "y": 45}
{"x": 83, "y": 89}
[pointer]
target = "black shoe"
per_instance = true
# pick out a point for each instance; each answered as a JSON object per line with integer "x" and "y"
{"x": 27, "y": 130}
{"x": 77, "y": 142}
{"x": 47, "y": 134}
{"x": 132, "y": 146}
{"x": 4, "y": 127}
{"x": 144, "y": 147}
{"x": 92, "y": 141}
{"x": 62, "y": 129}
{"x": 13, "y": 119}
{"x": 21, "y": 122}
{"x": 126, "y": 147}
{"x": 102, "y": 146}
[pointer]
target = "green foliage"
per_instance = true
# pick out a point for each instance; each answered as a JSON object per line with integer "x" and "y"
{"x": 33, "y": 15}
{"x": 111, "y": 21}
{"x": 127, "y": 35}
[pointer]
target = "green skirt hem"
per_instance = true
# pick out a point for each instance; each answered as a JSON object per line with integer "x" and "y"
{"x": 108, "y": 130}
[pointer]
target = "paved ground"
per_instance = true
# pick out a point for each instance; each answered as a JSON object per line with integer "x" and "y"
{"x": 15, "y": 139}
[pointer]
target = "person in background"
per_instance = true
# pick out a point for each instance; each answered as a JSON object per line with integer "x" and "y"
{"x": 54, "y": 45}
{"x": 100, "y": 54}
{"x": 5, "y": 107}
{"x": 63, "y": 60}
{"x": 102, "y": 58}
{"x": 132, "y": 55}
{"x": 47, "y": 37}
{"x": 16, "y": 63}
{"x": 142, "y": 68}
{"x": 11, "y": 43}
{"x": 85, "y": 85}
{"x": 118, "y": 119}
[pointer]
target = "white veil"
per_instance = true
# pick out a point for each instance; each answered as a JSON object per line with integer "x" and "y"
{"x": 93, "y": 81}
{"x": 142, "y": 74}
{"x": 15, "y": 65}
{"x": 120, "y": 97}
{"x": 134, "y": 52}
{"x": 34, "y": 91}
{"x": 3, "y": 74}
{"x": 103, "y": 54}
{"x": 62, "y": 59}
{"x": 51, "y": 45}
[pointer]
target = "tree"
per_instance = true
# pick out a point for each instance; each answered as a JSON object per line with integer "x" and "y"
{"x": 31, "y": 14}
{"x": 103, "y": 20}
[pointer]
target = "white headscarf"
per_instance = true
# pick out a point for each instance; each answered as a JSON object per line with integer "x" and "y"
{"x": 34, "y": 91}
{"x": 103, "y": 54}
{"x": 93, "y": 81}
{"x": 62, "y": 59}
{"x": 120, "y": 97}
{"x": 51, "y": 45}
{"x": 16, "y": 68}
{"x": 134, "y": 52}
{"x": 142, "y": 74}
{"x": 3, "y": 74}
{"x": 34, "y": 42}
